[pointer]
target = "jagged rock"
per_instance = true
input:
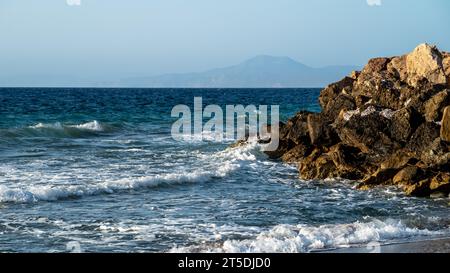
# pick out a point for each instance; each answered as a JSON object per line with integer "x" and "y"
{"x": 297, "y": 153}
{"x": 397, "y": 67}
{"x": 376, "y": 65}
{"x": 348, "y": 160}
{"x": 421, "y": 188}
{"x": 398, "y": 159}
{"x": 403, "y": 123}
{"x": 446, "y": 65}
{"x": 332, "y": 90}
{"x": 423, "y": 137}
{"x": 354, "y": 75}
{"x": 339, "y": 103}
{"x": 367, "y": 132}
{"x": 406, "y": 175}
{"x": 317, "y": 166}
{"x": 283, "y": 147}
{"x": 382, "y": 89}
{"x": 434, "y": 107}
{"x": 296, "y": 128}
{"x": 320, "y": 131}
{"x": 425, "y": 64}
{"x": 441, "y": 182}
{"x": 381, "y": 176}
{"x": 436, "y": 155}
{"x": 445, "y": 125}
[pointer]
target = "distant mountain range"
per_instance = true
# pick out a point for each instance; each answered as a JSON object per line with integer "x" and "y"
{"x": 260, "y": 71}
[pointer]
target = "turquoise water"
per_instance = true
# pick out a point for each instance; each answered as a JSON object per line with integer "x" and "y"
{"x": 98, "y": 168}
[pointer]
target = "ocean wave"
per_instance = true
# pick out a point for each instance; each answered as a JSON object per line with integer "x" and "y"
{"x": 88, "y": 126}
{"x": 53, "y": 193}
{"x": 300, "y": 238}
{"x": 58, "y": 129}
{"x": 217, "y": 165}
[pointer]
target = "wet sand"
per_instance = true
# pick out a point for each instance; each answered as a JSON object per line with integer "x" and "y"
{"x": 441, "y": 245}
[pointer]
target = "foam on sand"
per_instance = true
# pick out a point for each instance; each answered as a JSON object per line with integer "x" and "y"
{"x": 300, "y": 238}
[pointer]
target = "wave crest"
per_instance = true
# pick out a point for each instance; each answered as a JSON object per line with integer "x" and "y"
{"x": 294, "y": 239}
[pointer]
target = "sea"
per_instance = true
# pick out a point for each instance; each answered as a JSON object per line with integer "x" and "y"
{"x": 97, "y": 170}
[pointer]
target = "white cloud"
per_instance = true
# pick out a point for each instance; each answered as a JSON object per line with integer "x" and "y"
{"x": 374, "y": 2}
{"x": 73, "y": 2}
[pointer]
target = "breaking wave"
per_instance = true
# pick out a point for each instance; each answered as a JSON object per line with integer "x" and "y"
{"x": 301, "y": 238}
{"x": 217, "y": 165}
{"x": 58, "y": 129}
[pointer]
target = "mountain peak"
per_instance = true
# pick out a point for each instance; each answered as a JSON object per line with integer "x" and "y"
{"x": 271, "y": 60}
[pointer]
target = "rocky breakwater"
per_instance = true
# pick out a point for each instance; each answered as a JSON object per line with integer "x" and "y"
{"x": 388, "y": 124}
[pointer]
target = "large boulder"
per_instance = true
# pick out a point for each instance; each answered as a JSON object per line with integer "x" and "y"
{"x": 296, "y": 128}
{"x": 318, "y": 165}
{"x": 445, "y": 125}
{"x": 332, "y": 90}
{"x": 423, "y": 137}
{"x": 441, "y": 182}
{"x": 425, "y": 64}
{"x": 296, "y": 154}
{"x": 434, "y": 107}
{"x": 368, "y": 132}
{"x": 403, "y": 123}
{"x": 397, "y": 68}
{"x": 320, "y": 131}
{"x": 406, "y": 176}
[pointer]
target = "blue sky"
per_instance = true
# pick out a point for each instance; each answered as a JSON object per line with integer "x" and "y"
{"x": 107, "y": 39}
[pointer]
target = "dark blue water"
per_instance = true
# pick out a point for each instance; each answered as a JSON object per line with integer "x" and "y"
{"x": 98, "y": 169}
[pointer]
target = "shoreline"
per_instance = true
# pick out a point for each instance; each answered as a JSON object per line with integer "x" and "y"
{"x": 435, "y": 245}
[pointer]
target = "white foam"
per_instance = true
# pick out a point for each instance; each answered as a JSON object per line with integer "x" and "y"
{"x": 215, "y": 165}
{"x": 92, "y": 126}
{"x": 56, "y": 125}
{"x": 300, "y": 238}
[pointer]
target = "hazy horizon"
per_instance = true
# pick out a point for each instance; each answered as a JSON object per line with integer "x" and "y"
{"x": 106, "y": 40}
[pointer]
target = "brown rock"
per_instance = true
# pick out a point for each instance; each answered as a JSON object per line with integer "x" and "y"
{"x": 284, "y": 146}
{"x": 441, "y": 183}
{"x": 376, "y": 65}
{"x": 425, "y": 64}
{"x": 445, "y": 125}
{"x": 349, "y": 161}
{"x": 436, "y": 155}
{"x": 446, "y": 65}
{"x": 423, "y": 137}
{"x": 398, "y": 160}
{"x": 382, "y": 89}
{"x": 421, "y": 188}
{"x": 381, "y": 176}
{"x": 339, "y": 103}
{"x": 434, "y": 107}
{"x": 317, "y": 166}
{"x": 397, "y": 67}
{"x": 406, "y": 175}
{"x": 320, "y": 131}
{"x": 296, "y": 128}
{"x": 368, "y": 132}
{"x": 403, "y": 123}
{"x": 296, "y": 154}
{"x": 354, "y": 75}
{"x": 332, "y": 90}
